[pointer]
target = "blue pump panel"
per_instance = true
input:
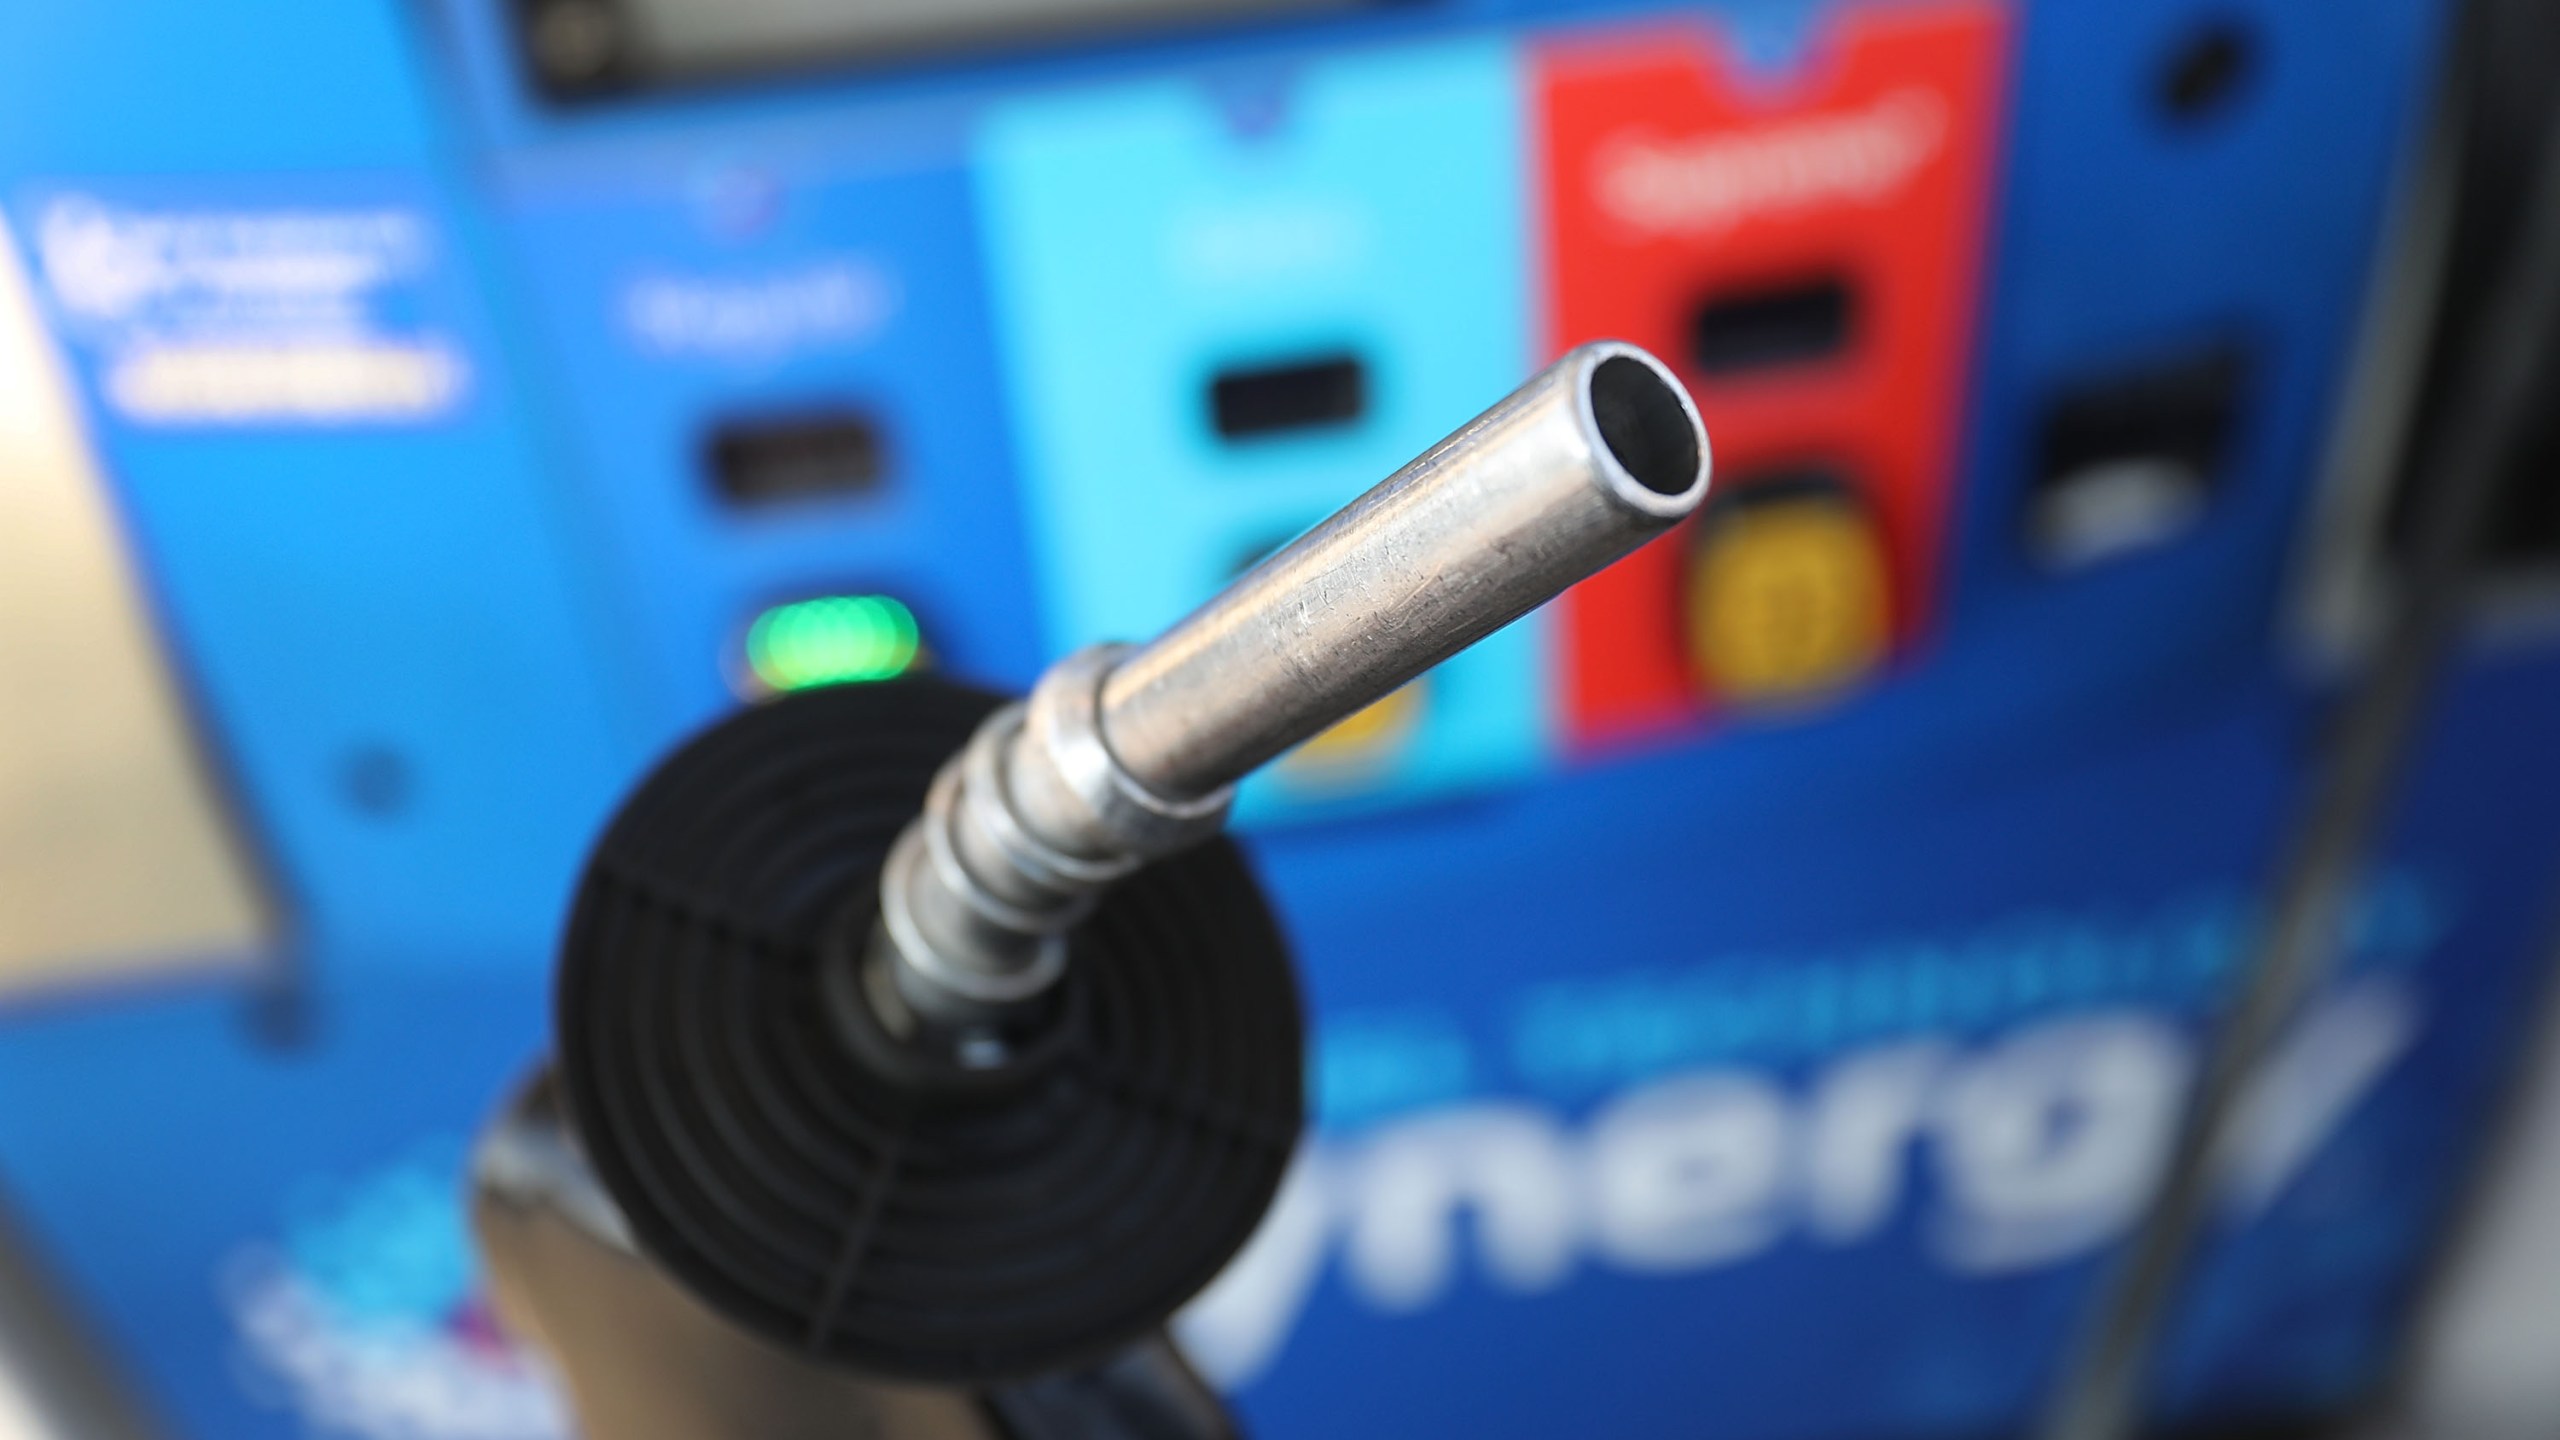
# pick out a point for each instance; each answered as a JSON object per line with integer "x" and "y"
{"x": 1154, "y": 244}
{"x": 415, "y": 708}
{"x": 2135, "y": 241}
{"x": 1791, "y": 1075}
{"x": 726, "y": 301}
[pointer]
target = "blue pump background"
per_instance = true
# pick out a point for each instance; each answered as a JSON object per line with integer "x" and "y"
{"x": 529, "y": 594}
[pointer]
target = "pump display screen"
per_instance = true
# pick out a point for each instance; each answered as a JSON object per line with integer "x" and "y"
{"x": 613, "y": 44}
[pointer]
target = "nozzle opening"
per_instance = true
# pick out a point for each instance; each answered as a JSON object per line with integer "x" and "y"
{"x": 1645, "y": 422}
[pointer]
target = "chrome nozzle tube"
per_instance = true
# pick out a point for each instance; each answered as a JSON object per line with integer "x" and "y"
{"x": 1121, "y": 755}
{"x": 1595, "y": 456}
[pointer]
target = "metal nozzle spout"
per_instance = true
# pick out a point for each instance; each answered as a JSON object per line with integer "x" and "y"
{"x": 1122, "y": 755}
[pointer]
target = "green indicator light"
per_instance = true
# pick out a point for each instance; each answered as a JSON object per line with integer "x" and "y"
{"x": 832, "y": 640}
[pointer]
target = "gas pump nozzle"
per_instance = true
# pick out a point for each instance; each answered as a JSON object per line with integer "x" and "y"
{"x": 917, "y": 1057}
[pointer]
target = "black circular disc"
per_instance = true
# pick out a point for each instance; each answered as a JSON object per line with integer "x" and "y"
{"x": 925, "y": 1232}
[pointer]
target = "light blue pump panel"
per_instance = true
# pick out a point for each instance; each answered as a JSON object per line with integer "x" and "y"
{"x": 1146, "y": 238}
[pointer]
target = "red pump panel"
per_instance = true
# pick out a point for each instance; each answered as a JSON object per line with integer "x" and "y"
{"x": 1806, "y": 248}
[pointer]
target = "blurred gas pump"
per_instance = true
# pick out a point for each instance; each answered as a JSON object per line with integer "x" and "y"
{"x": 919, "y": 1055}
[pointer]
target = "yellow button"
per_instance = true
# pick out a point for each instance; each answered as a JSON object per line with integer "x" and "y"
{"x": 1787, "y": 599}
{"x": 1361, "y": 745}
